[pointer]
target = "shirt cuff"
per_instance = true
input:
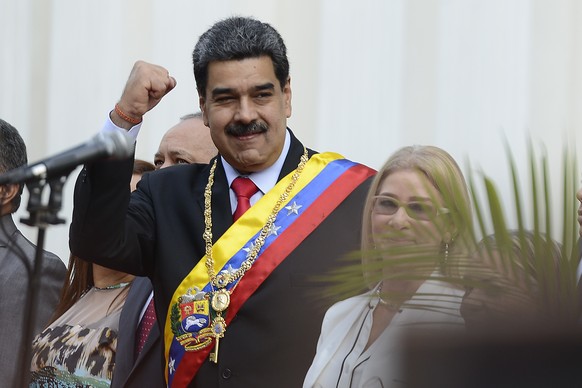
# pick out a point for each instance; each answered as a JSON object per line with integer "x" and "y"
{"x": 110, "y": 127}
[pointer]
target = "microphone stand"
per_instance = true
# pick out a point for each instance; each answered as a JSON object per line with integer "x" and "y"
{"x": 41, "y": 215}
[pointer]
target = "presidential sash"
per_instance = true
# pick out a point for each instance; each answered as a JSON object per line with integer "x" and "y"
{"x": 326, "y": 180}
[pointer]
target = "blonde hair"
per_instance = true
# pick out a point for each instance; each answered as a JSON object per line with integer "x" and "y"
{"x": 441, "y": 170}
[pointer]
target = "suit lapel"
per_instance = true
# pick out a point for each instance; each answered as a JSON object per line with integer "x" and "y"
{"x": 221, "y": 207}
{"x": 128, "y": 321}
{"x": 140, "y": 291}
{"x": 293, "y": 156}
{"x": 221, "y": 213}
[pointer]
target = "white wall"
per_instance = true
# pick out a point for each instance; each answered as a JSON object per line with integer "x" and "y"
{"x": 368, "y": 77}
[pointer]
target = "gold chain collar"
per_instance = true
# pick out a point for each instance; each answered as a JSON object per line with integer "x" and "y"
{"x": 223, "y": 279}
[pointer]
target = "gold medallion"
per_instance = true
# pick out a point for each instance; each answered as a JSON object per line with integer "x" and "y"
{"x": 220, "y": 300}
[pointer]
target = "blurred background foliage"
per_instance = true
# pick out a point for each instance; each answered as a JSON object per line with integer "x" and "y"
{"x": 512, "y": 275}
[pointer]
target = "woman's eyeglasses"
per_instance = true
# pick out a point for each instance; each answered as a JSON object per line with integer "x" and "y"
{"x": 421, "y": 211}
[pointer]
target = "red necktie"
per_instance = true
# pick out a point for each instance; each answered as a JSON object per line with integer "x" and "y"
{"x": 145, "y": 326}
{"x": 244, "y": 188}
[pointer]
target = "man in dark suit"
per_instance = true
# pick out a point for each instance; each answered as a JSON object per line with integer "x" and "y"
{"x": 16, "y": 262}
{"x": 237, "y": 298}
{"x": 187, "y": 142}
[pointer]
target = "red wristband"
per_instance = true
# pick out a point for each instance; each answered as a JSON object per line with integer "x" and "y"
{"x": 125, "y": 117}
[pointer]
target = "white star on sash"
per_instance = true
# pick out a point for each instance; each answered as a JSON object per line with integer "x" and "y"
{"x": 229, "y": 270}
{"x": 293, "y": 208}
{"x": 171, "y": 366}
{"x": 249, "y": 249}
{"x": 273, "y": 230}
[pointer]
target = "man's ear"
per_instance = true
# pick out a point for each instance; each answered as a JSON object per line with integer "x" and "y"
{"x": 202, "y": 105}
{"x": 7, "y": 193}
{"x": 287, "y": 93}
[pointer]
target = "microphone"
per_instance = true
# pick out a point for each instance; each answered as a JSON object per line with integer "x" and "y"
{"x": 113, "y": 145}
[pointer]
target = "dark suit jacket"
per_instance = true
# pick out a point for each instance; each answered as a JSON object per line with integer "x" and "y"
{"x": 147, "y": 369}
{"x": 272, "y": 339}
{"x": 16, "y": 263}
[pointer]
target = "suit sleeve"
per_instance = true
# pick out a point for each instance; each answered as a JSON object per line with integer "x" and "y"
{"x": 106, "y": 229}
{"x": 52, "y": 280}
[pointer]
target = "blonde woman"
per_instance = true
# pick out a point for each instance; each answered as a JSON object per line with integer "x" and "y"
{"x": 417, "y": 207}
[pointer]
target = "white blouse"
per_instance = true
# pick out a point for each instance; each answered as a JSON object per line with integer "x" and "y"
{"x": 341, "y": 360}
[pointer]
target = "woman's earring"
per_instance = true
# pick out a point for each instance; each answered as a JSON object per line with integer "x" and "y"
{"x": 445, "y": 255}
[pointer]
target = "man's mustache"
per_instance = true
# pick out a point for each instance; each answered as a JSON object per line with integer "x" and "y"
{"x": 246, "y": 129}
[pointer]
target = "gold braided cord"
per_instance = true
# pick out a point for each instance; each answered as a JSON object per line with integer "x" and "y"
{"x": 223, "y": 279}
{"x": 208, "y": 222}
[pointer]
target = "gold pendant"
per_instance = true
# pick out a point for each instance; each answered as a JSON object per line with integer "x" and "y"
{"x": 218, "y": 329}
{"x": 220, "y": 300}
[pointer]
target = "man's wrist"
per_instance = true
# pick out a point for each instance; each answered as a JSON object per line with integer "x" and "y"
{"x": 123, "y": 119}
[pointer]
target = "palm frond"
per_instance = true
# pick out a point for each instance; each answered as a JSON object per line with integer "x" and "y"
{"x": 512, "y": 254}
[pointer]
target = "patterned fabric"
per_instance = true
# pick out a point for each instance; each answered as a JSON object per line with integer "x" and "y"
{"x": 145, "y": 326}
{"x": 78, "y": 349}
{"x": 84, "y": 357}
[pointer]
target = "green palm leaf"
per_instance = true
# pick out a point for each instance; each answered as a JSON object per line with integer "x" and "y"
{"x": 518, "y": 264}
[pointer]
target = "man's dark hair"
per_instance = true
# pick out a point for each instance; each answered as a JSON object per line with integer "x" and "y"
{"x": 239, "y": 38}
{"x": 12, "y": 154}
